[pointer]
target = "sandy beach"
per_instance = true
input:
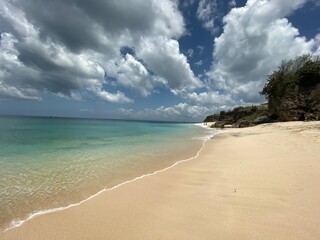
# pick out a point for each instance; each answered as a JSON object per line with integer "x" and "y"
{"x": 255, "y": 183}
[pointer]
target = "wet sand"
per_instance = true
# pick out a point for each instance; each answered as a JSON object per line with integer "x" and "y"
{"x": 255, "y": 183}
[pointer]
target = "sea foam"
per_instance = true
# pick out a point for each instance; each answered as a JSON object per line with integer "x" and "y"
{"x": 19, "y": 222}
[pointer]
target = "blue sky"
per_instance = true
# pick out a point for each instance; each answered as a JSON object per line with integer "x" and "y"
{"x": 136, "y": 59}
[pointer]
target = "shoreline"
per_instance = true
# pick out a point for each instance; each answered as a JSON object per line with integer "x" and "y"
{"x": 253, "y": 183}
{"x": 19, "y": 222}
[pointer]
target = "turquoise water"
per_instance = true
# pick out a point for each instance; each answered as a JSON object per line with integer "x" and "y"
{"x": 52, "y": 162}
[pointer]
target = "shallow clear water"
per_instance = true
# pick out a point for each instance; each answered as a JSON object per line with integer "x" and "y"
{"x": 52, "y": 162}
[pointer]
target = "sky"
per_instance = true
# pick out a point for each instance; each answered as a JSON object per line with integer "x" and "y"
{"x": 146, "y": 59}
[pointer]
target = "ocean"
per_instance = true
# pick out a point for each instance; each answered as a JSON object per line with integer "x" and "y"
{"x": 50, "y": 163}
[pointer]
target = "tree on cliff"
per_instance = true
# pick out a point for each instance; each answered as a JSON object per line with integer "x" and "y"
{"x": 294, "y": 89}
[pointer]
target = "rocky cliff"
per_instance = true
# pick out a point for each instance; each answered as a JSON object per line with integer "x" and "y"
{"x": 293, "y": 93}
{"x": 293, "y": 90}
{"x": 241, "y": 117}
{"x": 297, "y": 103}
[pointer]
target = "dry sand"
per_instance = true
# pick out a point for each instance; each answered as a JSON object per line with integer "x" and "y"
{"x": 256, "y": 183}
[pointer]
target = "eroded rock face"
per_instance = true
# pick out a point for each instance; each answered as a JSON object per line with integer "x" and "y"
{"x": 293, "y": 93}
{"x": 262, "y": 119}
{"x": 297, "y": 103}
{"x": 212, "y": 118}
{"x": 241, "y": 117}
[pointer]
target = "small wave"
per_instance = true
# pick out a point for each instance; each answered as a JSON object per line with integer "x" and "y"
{"x": 210, "y": 132}
{"x": 209, "y": 136}
{"x": 201, "y": 125}
{"x": 18, "y": 223}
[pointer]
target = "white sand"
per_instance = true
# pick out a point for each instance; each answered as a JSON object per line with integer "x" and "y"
{"x": 255, "y": 183}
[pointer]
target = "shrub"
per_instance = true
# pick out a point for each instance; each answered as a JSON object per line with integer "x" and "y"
{"x": 303, "y": 71}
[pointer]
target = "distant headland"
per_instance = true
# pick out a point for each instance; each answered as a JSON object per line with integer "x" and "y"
{"x": 293, "y": 94}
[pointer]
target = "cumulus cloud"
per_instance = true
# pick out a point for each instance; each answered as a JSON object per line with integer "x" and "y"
{"x": 11, "y": 91}
{"x": 210, "y": 97}
{"x": 210, "y": 13}
{"x": 83, "y": 24}
{"x": 317, "y": 45}
{"x": 255, "y": 39}
{"x": 131, "y": 73}
{"x": 162, "y": 55}
{"x": 8, "y": 61}
{"x": 73, "y": 48}
{"x": 206, "y": 12}
{"x": 182, "y": 111}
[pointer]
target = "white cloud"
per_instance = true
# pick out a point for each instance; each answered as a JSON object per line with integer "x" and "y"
{"x": 199, "y": 63}
{"x": 8, "y": 61}
{"x": 206, "y": 12}
{"x": 50, "y": 51}
{"x": 211, "y": 12}
{"x": 210, "y": 97}
{"x": 11, "y": 91}
{"x": 124, "y": 112}
{"x": 232, "y": 3}
{"x": 183, "y": 109}
{"x": 201, "y": 48}
{"x": 317, "y": 45}
{"x": 187, "y": 3}
{"x": 256, "y": 38}
{"x": 177, "y": 112}
{"x": 163, "y": 57}
{"x": 132, "y": 74}
{"x": 190, "y": 52}
{"x": 118, "y": 97}
{"x": 74, "y": 49}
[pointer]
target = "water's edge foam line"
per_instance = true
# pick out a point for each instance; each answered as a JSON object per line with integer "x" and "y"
{"x": 18, "y": 223}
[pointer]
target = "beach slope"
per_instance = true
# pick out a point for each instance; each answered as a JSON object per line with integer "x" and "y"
{"x": 255, "y": 183}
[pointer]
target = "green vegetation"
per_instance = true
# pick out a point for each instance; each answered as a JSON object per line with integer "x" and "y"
{"x": 241, "y": 116}
{"x": 303, "y": 71}
{"x": 292, "y": 91}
